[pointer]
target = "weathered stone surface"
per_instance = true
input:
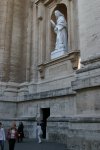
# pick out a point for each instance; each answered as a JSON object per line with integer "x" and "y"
{"x": 89, "y": 32}
{"x": 31, "y": 83}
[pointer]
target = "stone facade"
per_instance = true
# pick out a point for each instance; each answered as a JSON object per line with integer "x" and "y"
{"x": 64, "y": 92}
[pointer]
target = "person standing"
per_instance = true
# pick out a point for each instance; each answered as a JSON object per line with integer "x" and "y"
{"x": 20, "y": 132}
{"x": 2, "y": 136}
{"x": 39, "y": 132}
{"x": 12, "y": 135}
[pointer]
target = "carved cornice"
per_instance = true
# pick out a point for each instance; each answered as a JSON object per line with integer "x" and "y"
{"x": 91, "y": 59}
{"x": 46, "y": 2}
{"x": 32, "y": 3}
{"x": 74, "y": 59}
{"x": 39, "y": 1}
{"x": 73, "y": 56}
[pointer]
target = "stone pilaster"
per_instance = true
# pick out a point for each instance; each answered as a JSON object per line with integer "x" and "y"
{"x": 8, "y": 37}
{"x": 73, "y": 25}
{"x": 3, "y": 52}
{"x": 41, "y": 32}
{"x": 16, "y": 51}
{"x": 34, "y": 46}
{"x": 27, "y": 41}
{"x": 38, "y": 38}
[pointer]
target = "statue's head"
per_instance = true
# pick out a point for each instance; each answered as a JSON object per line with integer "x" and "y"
{"x": 58, "y": 13}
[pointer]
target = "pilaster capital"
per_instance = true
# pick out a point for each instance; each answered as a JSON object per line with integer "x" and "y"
{"x": 32, "y": 3}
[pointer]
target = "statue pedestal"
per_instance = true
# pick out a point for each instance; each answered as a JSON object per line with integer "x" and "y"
{"x": 57, "y": 53}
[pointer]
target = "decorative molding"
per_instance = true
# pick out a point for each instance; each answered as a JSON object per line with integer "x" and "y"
{"x": 41, "y": 69}
{"x": 39, "y": 1}
{"x": 58, "y": 1}
{"x": 32, "y": 3}
{"x": 75, "y": 119}
{"x": 88, "y": 68}
{"x": 49, "y": 94}
{"x": 73, "y": 56}
{"x": 74, "y": 59}
{"x": 47, "y": 2}
{"x": 91, "y": 59}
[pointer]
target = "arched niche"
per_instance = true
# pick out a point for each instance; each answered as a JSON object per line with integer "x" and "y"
{"x": 63, "y": 9}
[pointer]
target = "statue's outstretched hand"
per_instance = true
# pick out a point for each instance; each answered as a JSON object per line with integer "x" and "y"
{"x": 52, "y": 23}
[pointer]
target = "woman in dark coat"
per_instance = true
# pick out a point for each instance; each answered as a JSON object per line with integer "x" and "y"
{"x": 20, "y": 132}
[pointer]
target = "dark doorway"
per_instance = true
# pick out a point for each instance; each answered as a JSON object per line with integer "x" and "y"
{"x": 45, "y": 113}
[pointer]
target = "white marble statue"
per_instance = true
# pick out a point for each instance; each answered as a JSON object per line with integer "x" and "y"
{"x": 60, "y": 28}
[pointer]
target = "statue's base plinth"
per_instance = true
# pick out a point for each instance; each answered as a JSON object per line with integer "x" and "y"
{"x": 57, "y": 53}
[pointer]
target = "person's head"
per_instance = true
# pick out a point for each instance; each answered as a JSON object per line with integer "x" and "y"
{"x": 13, "y": 125}
{"x": 20, "y": 124}
{"x": 0, "y": 124}
{"x": 58, "y": 13}
{"x": 38, "y": 123}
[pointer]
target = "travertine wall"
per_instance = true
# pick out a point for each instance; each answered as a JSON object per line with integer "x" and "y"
{"x": 13, "y": 40}
{"x": 17, "y": 56}
{"x": 32, "y": 81}
{"x": 3, "y": 10}
{"x": 89, "y": 31}
{"x": 7, "y": 109}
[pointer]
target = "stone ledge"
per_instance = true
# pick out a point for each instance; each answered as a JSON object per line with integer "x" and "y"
{"x": 89, "y": 68}
{"x": 8, "y": 99}
{"x": 89, "y": 82}
{"x": 50, "y": 94}
{"x": 92, "y": 59}
{"x": 76, "y": 119}
{"x": 19, "y": 119}
{"x": 38, "y": 96}
{"x": 73, "y": 56}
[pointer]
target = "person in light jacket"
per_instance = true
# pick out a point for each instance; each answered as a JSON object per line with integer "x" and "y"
{"x": 39, "y": 132}
{"x": 2, "y": 136}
